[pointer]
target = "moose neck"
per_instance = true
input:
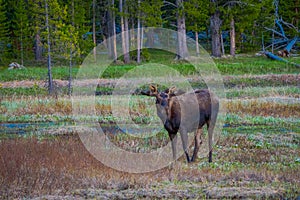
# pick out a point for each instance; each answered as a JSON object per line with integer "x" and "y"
{"x": 169, "y": 117}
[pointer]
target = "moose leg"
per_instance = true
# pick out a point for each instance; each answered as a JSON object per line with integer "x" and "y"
{"x": 210, "y": 129}
{"x": 184, "y": 139}
{"x": 198, "y": 142}
{"x": 173, "y": 138}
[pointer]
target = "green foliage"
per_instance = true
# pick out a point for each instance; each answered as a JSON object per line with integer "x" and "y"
{"x": 36, "y": 91}
{"x": 289, "y": 11}
{"x": 4, "y": 32}
{"x": 152, "y": 13}
{"x": 71, "y": 23}
{"x": 197, "y": 14}
{"x": 145, "y": 55}
{"x": 36, "y": 73}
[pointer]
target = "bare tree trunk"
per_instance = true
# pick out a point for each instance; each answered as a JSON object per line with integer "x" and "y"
{"x": 71, "y": 51}
{"x": 122, "y": 27}
{"x": 297, "y": 13}
{"x": 94, "y": 30}
{"x": 127, "y": 55}
{"x": 197, "y": 44}
{"x": 111, "y": 32}
{"x": 108, "y": 32}
{"x": 222, "y": 44}
{"x": 50, "y": 80}
{"x": 132, "y": 34}
{"x": 215, "y": 24}
{"x": 142, "y": 36}
{"x": 181, "y": 32}
{"x": 232, "y": 37}
{"x": 38, "y": 48}
{"x": 21, "y": 47}
{"x": 138, "y": 39}
{"x": 125, "y": 36}
{"x": 114, "y": 45}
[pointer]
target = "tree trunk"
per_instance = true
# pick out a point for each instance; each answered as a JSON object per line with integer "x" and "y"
{"x": 114, "y": 45}
{"x": 215, "y": 24}
{"x": 108, "y": 31}
{"x": 181, "y": 32}
{"x": 132, "y": 33}
{"x": 197, "y": 44}
{"x": 71, "y": 51}
{"x": 38, "y": 48}
{"x": 126, "y": 28}
{"x": 111, "y": 32}
{"x": 125, "y": 36}
{"x": 138, "y": 37}
{"x": 50, "y": 81}
{"x": 222, "y": 44}
{"x": 232, "y": 37}
{"x": 94, "y": 29}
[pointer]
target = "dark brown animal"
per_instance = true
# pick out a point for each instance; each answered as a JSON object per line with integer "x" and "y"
{"x": 283, "y": 53}
{"x": 186, "y": 112}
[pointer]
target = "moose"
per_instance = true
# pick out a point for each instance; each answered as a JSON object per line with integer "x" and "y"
{"x": 186, "y": 112}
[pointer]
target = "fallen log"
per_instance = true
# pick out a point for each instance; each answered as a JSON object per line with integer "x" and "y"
{"x": 275, "y": 57}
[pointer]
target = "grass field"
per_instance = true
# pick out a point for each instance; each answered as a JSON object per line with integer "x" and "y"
{"x": 256, "y": 157}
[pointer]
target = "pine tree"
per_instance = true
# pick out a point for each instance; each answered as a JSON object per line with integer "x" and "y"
{"x": 21, "y": 30}
{"x": 197, "y": 17}
{"x": 3, "y": 33}
{"x": 239, "y": 17}
{"x": 150, "y": 16}
{"x": 36, "y": 18}
{"x": 289, "y": 11}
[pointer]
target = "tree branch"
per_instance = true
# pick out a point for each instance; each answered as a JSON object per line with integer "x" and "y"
{"x": 276, "y": 32}
{"x": 169, "y": 3}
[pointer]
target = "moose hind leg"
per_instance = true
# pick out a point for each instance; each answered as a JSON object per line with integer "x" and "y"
{"x": 184, "y": 139}
{"x": 210, "y": 129}
{"x": 198, "y": 142}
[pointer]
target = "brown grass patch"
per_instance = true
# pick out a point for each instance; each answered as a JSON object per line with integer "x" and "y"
{"x": 32, "y": 167}
{"x": 63, "y": 106}
{"x": 262, "y": 108}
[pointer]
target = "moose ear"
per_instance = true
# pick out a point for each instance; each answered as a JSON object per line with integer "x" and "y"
{"x": 172, "y": 90}
{"x": 153, "y": 89}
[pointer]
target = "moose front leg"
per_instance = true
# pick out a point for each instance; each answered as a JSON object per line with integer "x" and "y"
{"x": 184, "y": 139}
{"x": 173, "y": 138}
{"x": 198, "y": 142}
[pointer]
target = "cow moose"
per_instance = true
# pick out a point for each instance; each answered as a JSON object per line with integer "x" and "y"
{"x": 179, "y": 112}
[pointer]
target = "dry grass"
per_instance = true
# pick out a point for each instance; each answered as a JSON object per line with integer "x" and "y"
{"x": 141, "y": 107}
{"x": 263, "y": 108}
{"x": 31, "y": 167}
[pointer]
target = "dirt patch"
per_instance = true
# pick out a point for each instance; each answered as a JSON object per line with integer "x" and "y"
{"x": 244, "y": 193}
{"x": 182, "y": 192}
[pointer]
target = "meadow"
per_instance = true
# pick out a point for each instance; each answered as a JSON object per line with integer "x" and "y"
{"x": 257, "y": 155}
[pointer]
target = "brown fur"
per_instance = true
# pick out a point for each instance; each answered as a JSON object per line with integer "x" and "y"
{"x": 283, "y": 53}
{"x": 178, "y": 113}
